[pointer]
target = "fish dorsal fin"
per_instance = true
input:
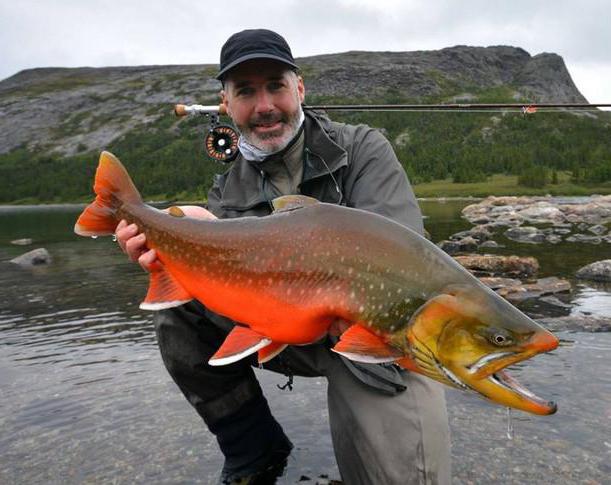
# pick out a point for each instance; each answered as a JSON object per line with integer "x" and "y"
{"x": 176, "y": 211}
{"x": 164, "y": 291}
{"x": 292, "y": 202}
{"x": 359, "y": 344}
{"x": 240, "y": 343}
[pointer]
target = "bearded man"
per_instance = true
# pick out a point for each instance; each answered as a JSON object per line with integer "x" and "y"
{"x": 388, "y": 426}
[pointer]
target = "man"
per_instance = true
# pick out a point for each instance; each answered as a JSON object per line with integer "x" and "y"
{"x": 388, "y": 426}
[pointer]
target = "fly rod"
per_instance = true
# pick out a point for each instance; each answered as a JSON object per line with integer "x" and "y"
{"x": 221, "y": 141}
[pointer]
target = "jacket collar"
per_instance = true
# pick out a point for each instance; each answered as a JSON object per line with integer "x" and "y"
{"x": 244, "y": 185}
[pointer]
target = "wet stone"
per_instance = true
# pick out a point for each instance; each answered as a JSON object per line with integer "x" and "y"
{"x": 598, "y": 229}
{"x": 490, "y": 244}
{"x": 21, "y": 242}
{"x": 495, "y": 265}
{"x": 584, "y": 238}
{"x": 527, "y": 234}
{"x": 597, "y": 271}
{"x": 36, "y": 257}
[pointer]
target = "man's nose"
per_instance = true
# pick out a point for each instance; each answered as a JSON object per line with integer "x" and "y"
{"x": 264, "y": 102}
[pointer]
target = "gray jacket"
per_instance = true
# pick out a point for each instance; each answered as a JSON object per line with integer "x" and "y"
{"x": 352, "y": 165}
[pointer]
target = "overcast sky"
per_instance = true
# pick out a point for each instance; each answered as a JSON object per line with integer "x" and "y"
{"x": 69, "y": 33}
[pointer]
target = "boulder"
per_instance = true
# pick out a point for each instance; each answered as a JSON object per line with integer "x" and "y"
{"x": 544, "y": 286}
{"x": 598, "y": 229}
{"x": 490, "y": 244}
{"x": 584, "y": 238}
{"x": 494, "y": 265}
{"x": 526, "y": 234}
{"x": 542, "y": 212}
{"x": 577, "y": 323}
{"x": 553, "y": 238}
{"x": 36, "y": 257}
{"x": 597, "y": 271}
{"x": 464, "y": 245}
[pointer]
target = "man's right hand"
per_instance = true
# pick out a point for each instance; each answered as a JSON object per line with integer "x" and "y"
{"x": 133, "y": 242}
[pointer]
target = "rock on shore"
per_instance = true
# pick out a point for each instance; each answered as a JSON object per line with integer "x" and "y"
{"x": 36, "y": 257}
{"x": 597, "y": 271}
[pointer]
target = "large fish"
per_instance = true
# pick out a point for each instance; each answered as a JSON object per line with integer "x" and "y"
{"x": 287, "y": 278}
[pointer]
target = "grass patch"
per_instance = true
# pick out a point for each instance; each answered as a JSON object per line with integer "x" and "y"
{"x": 505, "y": 185}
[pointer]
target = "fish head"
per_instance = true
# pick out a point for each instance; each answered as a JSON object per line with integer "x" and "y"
{"x": 468, "y": 335}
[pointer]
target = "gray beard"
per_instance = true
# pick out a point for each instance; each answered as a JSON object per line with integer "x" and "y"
{"x": 252, "y": 152}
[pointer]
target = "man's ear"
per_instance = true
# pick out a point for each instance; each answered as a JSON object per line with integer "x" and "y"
{"x": 225, "y": 101}
{"x": 300, "y": 89}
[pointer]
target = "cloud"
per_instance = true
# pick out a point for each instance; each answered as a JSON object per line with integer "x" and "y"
{"x": 36, "y": 33}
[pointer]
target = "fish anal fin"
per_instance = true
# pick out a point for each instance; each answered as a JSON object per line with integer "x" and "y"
{"x": 359, "y": 344}
{"x": 292, "y": 202}
{"x": 270, "y": 351}
{"x": 240, "y": 343}
{"x": 164, "y": 291}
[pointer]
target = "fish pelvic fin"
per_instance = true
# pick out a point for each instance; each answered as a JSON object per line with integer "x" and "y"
{"x": 113, "y": 187}
{"x": 269, "y": 352}
{"x": 164, "y": 291}
{"x": 359, "y": 344}
{"x": 241, "y": 342}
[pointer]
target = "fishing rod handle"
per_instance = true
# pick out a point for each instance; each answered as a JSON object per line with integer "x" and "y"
{"x": 198, "y": 109}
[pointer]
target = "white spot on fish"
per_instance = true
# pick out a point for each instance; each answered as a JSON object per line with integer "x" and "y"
{"x": 381, "y": 286}
{"x": 361, "y": 309}
{"x": 350, "y": 271}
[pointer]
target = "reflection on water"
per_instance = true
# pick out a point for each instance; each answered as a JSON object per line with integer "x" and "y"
{"x": 85, "y": 397}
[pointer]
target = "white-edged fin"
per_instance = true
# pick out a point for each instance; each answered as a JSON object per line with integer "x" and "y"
{"x": 241, "y": 342}
{"x": 164, "y": 292}
{"x": 367, "y": 359}
{"x": 163, "y": 305}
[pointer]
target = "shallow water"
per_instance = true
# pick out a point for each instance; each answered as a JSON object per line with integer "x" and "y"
{"x": 85, "y": 397}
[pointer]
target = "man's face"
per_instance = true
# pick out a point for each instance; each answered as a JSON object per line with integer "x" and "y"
{"x": 264, "y": 99}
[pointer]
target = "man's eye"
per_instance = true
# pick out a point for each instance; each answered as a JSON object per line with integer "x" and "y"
{"x": 275, "y": 86}
{"x": 245, "y": 91}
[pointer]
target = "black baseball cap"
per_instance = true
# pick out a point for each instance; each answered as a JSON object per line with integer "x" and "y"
{"x": 254, "y": 44}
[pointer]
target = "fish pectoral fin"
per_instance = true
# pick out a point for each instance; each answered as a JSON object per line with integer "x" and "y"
{"x": 292, "y": 202}
{"x": 164, "y": 292}
{"x": 270, "y": 351}
{"x": 359, "y": 344}
{"x": 240, "y": 343}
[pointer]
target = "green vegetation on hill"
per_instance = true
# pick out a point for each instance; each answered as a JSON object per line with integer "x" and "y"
{"x": 462, "y": 149}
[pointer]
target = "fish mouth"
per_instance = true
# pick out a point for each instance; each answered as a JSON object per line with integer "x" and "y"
{"x": 490, "y": 378}
{"x": 539, "y": 405}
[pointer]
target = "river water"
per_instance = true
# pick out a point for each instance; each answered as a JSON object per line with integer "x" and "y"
{"x": 85, "y": 397}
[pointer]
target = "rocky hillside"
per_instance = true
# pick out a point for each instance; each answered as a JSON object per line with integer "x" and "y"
{"x": 67, "y": 111}
{"x": 55, "y": 121}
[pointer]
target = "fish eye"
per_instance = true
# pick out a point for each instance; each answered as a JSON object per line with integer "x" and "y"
{"x": 500, "y": 338}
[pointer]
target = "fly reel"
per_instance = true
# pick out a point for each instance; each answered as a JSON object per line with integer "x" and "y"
{"x": 221, "y": 141}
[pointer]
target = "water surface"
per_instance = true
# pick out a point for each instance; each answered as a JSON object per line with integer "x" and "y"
{"x": 85, "y": 397}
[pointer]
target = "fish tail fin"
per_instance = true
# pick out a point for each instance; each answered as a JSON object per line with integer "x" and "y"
{"x": 113, "y": 187}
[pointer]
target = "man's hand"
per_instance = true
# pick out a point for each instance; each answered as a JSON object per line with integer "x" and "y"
{"x": 133, "y": 242}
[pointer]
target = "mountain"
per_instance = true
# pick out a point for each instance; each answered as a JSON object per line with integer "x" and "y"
{"x": 62, "y": 117}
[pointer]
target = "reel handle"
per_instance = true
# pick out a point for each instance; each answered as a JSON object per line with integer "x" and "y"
{"x": 181, "y": 110}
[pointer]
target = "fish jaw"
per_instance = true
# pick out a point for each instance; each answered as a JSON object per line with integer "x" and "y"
{"x": 459, "y": 340}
